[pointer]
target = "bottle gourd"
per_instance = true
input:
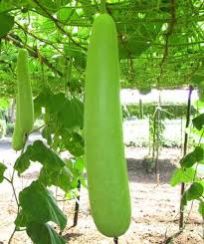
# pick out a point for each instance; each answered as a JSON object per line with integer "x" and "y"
{"x": 18, "y": 138}
{"x": 26, "y": 108}
{"x": 104, "y": 149}
{"x": 24, "y": 103}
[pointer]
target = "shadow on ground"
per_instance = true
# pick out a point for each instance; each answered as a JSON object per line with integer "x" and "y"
{"x": 140, "y": 170}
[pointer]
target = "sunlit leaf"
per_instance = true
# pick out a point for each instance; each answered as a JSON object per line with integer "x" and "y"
{"x": 2, "y": 170}
{"x": 44, "y": 205}
{"x": 184, "y": 175}
{"x": 7, "y": 22}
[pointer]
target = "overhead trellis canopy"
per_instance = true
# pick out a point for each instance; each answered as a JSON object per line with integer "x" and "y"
{"x": 161, "y": 42}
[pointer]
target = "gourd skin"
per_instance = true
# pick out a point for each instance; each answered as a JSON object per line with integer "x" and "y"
{"x": 26, "y": 111}
{"x": 104, "y": 150}
{"x": 18, "y": 138}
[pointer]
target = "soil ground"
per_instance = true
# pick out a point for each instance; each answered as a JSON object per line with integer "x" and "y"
{"x": 154, "y": 207}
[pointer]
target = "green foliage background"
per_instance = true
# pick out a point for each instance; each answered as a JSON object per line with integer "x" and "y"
{"x": 161, "y": 42}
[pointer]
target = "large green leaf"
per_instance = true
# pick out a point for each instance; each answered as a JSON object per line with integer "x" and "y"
{"x": 6, "y": 5}
{"x": 2, "y": 170}
{"x": 201, "y": 208}
{"x": 136, "y": 34}
{"x": 23, "y": 162}
{"x": 43, "y": 233}
{"x": 7, "y": 23}
{"x": 185, "y": 175}
{"x": 54, "y": 170}
{"x": 40, "y": 153}
{"x": 44, "y": 7}
{"x": 21, "y": 220}
{"x": 48, "y": 158}
{"x": 73, "y": 142}
{"x": 4, "y": 103}
{"x": 61, "y": 178}
{"x": 77, "y": 168}
{"x": 39, "y": 205}
{"x": 195, "y": 191}
{"x": 196, "y": 156}
{"x": 198, "y": 122}
{"x": 64, "y": 119}
{"x": 65, "y": 113}
{"x": 189, "y": 160}
{"x": 70, "y": 113}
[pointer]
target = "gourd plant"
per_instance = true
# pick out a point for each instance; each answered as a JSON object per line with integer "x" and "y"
{"x": 61, "y": 133}
{"x": 191, "y": 166}
{"x": 104, "y": 149}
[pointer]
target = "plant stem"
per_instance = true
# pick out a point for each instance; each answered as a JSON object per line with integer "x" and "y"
{"x": 103, "y": 6}
{"x": 37, "y": 129}
{"x": 158, "y": 140}
{"x": 115, "y": 240}
{"x": 181, "y": 219}
{"x": 11, "y": 181}
{"x": 141, "y": 108}
{"x": 11, "y": 237}
{"x": 76, "y": 210}
{"x": 16, "y": 199}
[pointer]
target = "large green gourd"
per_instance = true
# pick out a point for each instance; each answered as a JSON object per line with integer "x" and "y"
{"x": 18, "y": 138}
{"x": 104, "y": 149}
{"x": 26, "y": 111}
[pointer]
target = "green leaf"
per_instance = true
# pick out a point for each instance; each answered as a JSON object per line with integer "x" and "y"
{"x": 47, "y": 134}
{"x": 88, "y": 8}
{"x": 22, "y": 163}
{"x": 65, "y": 14}
{"x": 71, "y": 113}
{"x": 54, "y": 170}
{"x": 77, "y": 167}
{"x": 2, "y": 170}
{"x": 201, "y": 208}
{"x": 135, "y": 40}
{"x": 195, "y": 191}
{"x": 198, "y": 122}
{"x": 73, "y": 142}
{"x": 72, "y": 50}
{"x": 199, "y": 153}
{"x": 47, "y": 6}
{"x": 21, "y": 220}
{"x": 65, "y": 113}
{"x": 4, "y": 103}
{"x": 39, "y": 205}
{"x": 48, "y": 158}
{"x": 43, "y": 233}
{"x": 189, "y": 160}
{"x": 40, "y": 153}
{"x": 6, "y": 5}
{"x": 184, "y": 175}
{"x": 42, "y": 100}
{"x": 61, "y": 178}
{"x": 7, "y": 23}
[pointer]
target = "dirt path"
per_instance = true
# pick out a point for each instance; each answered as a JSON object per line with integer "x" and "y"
{"x": 154, "y": 208}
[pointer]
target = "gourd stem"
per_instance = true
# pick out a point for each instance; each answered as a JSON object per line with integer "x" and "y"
{"x": 103, "y": 6}
{"x": 115, "y": 239}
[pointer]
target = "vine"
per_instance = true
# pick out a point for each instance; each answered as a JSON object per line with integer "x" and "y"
{"x": 187, "y": 174}
{"x": 55, "y": 172}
